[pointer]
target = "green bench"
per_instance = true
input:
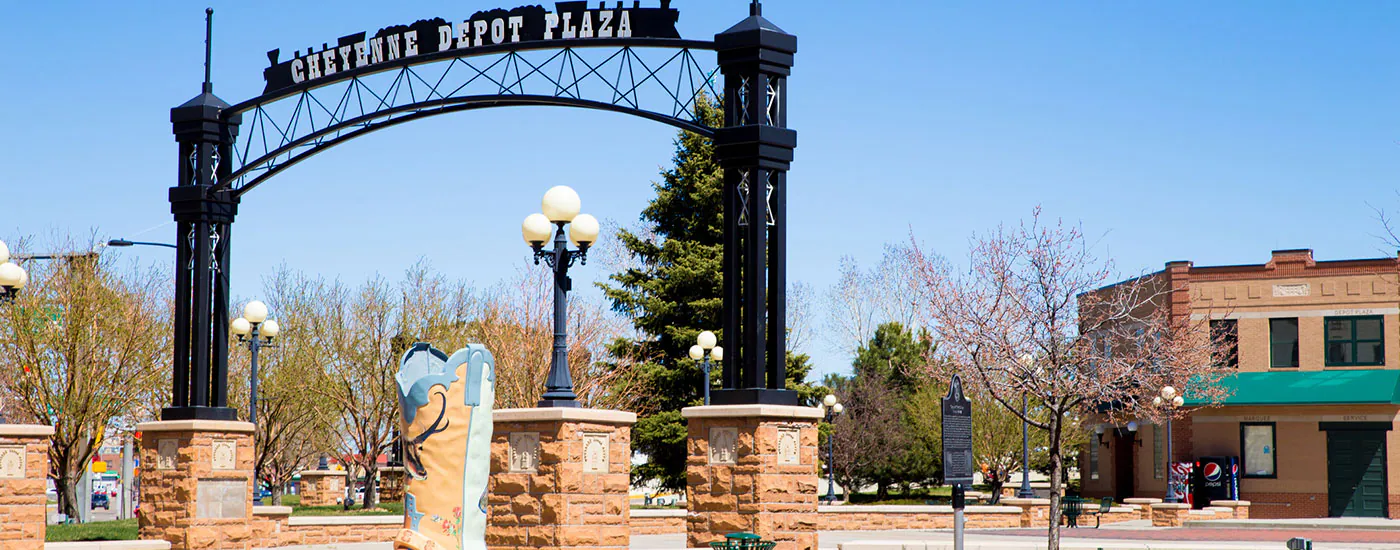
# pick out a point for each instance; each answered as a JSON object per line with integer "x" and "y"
{"x": 1073, "y": 507}
{"x": 743, "y": 541}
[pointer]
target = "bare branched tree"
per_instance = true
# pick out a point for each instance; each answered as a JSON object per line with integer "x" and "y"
{"x": 862, "y": 300}
{"x": 86, "y": 344}
{"x": 1030, "y": 315}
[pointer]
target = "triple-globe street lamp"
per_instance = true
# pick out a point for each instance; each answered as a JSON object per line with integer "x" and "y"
{"x": 560, "y": 209}
{"x": 256, "y": 331}
{"x": 706, "y": 349}
{"x": 830, "y": 410}
{"x": 1169, "y": 400}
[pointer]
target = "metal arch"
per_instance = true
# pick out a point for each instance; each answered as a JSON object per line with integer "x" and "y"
{"x": 659, "y": 80}
{"x": 356, "y": 129}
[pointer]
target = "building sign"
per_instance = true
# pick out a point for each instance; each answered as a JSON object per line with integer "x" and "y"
{"x": 957, "y": 436}
{"x": 525, "y": 24}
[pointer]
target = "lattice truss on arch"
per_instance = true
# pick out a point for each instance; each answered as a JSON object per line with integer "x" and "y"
{"x": 661, "y": 82}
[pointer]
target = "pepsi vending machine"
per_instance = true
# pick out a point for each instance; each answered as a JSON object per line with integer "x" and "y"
{"x": 1216, "y": 478}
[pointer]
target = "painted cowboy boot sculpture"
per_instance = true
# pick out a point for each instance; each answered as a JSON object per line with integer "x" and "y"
{"x": 445, "y": 423}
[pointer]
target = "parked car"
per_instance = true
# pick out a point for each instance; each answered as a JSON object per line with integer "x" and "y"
{"x": 101, "y": 500}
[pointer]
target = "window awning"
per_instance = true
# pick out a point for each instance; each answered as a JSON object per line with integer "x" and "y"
{"x": 1371, "y": 386}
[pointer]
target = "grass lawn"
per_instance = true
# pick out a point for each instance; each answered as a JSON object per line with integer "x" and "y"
{"x": 124, "y": 529}
{"x": 384, "y": 509}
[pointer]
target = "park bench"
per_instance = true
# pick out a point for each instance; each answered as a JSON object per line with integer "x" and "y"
{"x": 1071, "y": 508}
{"x": 1105, "y": 506}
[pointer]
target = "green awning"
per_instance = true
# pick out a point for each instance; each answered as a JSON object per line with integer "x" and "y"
{"x": 1311, "y": 388}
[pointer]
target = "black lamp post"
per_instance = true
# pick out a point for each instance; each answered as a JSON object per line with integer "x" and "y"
{"x": 256, "y": 331}
{"x": 832, "y": 409}
{"x": 1170, "y": 401}
{"x": 706, "y": 349}
{"x": 561, "y": 207}
{"x": 1027, "y": 361}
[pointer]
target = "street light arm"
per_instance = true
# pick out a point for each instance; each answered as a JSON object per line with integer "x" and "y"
{"x": 125, "y": 243}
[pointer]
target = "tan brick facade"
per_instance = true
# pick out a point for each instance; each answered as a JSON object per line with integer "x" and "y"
{"x": 322, "y": 487}
{"x": 196, "y": 484}
{"x": 24, "y": 467}
{"x": 569, "y": 492}
{"x": 752, "y": 468}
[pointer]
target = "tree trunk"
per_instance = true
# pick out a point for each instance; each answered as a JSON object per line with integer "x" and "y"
{"x": 882, "y": 490}
{"x": 67, "y": 495}
{"x": 1056, "y": 472}
{"x": 371, "y": 492}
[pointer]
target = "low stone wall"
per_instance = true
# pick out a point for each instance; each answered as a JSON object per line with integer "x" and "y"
{"x": 876, "y": 518}
{"x": 1176, "y": 515}
{"x": 109, "y": 545}
{"x": 658, "y": 522}
{"x": 273, "y": 526}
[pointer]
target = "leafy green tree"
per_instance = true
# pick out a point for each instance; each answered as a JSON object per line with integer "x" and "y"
{"x": 672, "y": 292}
{"x": 896, "y": 356}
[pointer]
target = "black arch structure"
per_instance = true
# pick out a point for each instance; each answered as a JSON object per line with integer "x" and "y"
{"x": 658, "y": 79}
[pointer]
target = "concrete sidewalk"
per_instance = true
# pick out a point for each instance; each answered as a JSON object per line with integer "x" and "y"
{"x": 1319, "y": 524}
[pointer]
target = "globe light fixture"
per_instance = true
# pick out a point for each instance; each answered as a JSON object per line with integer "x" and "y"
{"x": 255, "y": 312}
{"x": 536, "y": 229}
{"x": 560, "y": 204}
{"x": 583, "y": 231}
{"x": 13, "y": 278}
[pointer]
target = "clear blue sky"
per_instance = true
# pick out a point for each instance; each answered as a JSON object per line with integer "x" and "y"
{"x": 1200, "y": 130}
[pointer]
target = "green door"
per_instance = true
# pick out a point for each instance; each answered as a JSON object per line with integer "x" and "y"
{"x": 1356, "y": 473}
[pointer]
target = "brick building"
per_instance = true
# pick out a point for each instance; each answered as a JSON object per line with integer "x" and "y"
{"x": 1314, "y": 404}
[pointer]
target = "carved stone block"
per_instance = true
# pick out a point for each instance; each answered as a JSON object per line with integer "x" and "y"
{"x": 723, "y": 445}
{"x": 221, "y": 499}
{"x": 12, "y": 463}
{"x": 224, "y": 456}
{"x": 595, "y": 453}
{"x": 524, "y": 451}
{"x": 789, "y": 446}
{"x": 168, "y": 454}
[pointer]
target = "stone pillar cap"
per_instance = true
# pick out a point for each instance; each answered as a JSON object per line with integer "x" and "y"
{"x": 554, "y": 414}
{"x": 25, "y": 430}
{"x": 272, "y": 510}
{"x": 1026, "y": 501}
{"x": 305, "y": 473}
{"x": 1171, "y": 506}
{"x": 1236, "y": 503}
{"x": 1142, "y": 500}
{"x": 196, "y": 426}
{"x": 741, "y": 411}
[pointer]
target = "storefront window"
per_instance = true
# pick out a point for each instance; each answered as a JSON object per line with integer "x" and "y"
{"x": 1260, "y": 457}
{"x": 1354, "y": 341}
{"x": 1093, "y": 459}
{"x": 1283, "y": 343}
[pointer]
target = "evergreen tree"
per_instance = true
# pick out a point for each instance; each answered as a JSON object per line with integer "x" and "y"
{"x": 897, "y": 357}
{"x": 673, "y": 295}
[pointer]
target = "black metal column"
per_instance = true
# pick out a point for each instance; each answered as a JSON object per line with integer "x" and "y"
{"x": 204, "y": 219}
{"x": 755, "y": 148}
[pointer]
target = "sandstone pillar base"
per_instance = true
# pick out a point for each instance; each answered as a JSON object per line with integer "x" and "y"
{"x": 321, "y": 487}
{"x": 391, "y": 483}
{"x": 560, "y": 479}
{"x": 752, "y": 468}
{"x": 1170, "y": 514}
{"x": 196, "y": 484}
{"x": 24, "y": 467}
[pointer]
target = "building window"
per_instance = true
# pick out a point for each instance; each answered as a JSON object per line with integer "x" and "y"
{"x": 1355, "y": 341}
{"x": 1093, "y": 459}
{"x": 1159, "y": 453}
{"x": 1260, "y": 454}
{"x": 1283, "y": 343}
{"x": 1225, "y": 335}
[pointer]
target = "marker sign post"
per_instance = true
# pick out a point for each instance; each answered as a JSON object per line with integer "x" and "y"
{"x": 957, "y": 452}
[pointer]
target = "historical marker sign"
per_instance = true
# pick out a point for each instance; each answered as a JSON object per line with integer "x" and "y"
{"x": 957, "y": 436}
